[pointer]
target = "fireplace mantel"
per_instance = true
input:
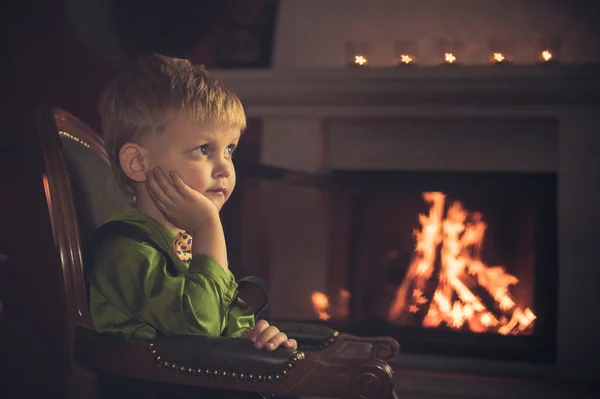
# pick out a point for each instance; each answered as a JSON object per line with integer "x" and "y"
{"x": 306, "y": 114}
{"x": 340, "y": 91}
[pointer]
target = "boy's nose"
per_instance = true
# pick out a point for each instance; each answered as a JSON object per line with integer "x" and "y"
{"x": 222, "y": 171}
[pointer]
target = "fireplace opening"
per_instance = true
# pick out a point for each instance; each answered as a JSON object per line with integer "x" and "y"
{"x": 452, "y": 264}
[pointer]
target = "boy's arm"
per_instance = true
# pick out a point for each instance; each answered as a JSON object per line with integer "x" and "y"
{"x": 240, "y": 319}
{"x": 134, "y": 277}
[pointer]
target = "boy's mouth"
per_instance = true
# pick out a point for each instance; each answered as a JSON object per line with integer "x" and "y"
{"x": 220, "y": 190}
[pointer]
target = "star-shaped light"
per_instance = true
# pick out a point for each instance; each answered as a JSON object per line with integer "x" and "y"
{"x": 449, "y": 58}
{"x": 360, "y": 60}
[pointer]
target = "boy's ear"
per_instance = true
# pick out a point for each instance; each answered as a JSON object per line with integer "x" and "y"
{"x": 134, "y": 161}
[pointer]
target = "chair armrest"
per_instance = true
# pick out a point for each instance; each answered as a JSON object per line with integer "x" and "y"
{"x": 310, "y": 336}
{"x": 234, "y": 364}
{"x": 330, "y": 343}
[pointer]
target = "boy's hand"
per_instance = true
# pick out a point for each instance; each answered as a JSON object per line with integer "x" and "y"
{"x": 265, "y": 336}
{"x": 183, "y": 206}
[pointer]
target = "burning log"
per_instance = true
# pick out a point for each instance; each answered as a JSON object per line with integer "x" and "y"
{"x": 489, "y": 302}
{"x": 430, "y": 287}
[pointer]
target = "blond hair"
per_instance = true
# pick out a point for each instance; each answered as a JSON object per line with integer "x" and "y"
{"x": 149, "y": 92}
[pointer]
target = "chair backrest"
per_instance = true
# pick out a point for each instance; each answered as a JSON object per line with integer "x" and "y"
{"x": 82, "y": 192}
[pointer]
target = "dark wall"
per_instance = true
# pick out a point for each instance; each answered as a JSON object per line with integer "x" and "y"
{"x": 45, "y": 63}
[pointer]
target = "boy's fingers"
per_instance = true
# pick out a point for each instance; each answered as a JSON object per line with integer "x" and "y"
{"x": 247, "y": 333}
{"x": 266, "y": 336}
{"x": 155, "y": 190}
{"x": 290, "y": 343}
{"x": 277, "y": 340}
{"x": 162, "y": 207}
{"x": 163, "y": 183}
{"x": 260, "y": 326}
{"x": 179, "y": 184}
{"x": 159, "y": 204}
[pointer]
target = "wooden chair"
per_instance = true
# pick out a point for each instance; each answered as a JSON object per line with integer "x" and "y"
{"x": 81, "y": 192}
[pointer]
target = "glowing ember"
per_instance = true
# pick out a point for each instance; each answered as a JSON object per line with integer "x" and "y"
{"x": 448, "y": 284}
{"x": 449, "y": 58}
{"x": 360, "y": 60}
{"x": 546, "y": 55}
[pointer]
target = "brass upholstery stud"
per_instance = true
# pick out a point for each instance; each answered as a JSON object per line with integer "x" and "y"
{"x": 225, "y": 374}
{"x": 76, "y": 139}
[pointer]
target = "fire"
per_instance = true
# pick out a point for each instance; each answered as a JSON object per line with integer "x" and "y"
{"x": 448, "y": 284}
{"x": 321, "y": 303}
{"x": 324, "y": 310}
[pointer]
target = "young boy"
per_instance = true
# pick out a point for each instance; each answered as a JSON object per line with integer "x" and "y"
{"x": 170, "y": 133}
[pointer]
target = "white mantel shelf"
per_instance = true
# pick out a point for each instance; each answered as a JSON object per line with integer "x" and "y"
{"x": 547, "y": 85}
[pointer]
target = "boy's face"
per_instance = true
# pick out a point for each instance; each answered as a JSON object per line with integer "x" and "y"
{"x": 200, "y": 154}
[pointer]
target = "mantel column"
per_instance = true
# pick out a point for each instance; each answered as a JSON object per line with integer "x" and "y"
{"x": 579, "y": 232}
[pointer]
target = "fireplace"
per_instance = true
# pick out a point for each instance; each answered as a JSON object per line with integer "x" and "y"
{"x": 453, "y": 264}
{"x": 517, "y": 127}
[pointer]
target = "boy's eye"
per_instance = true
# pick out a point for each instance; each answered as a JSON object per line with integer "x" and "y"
{"x": 202, "y": 150}
{"x": 230, "y": 149}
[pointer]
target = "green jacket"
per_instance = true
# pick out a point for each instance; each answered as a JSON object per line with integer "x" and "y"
{"x": 134, "y": 297}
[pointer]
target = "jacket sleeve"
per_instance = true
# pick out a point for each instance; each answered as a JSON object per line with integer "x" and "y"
{"x": 134, "y": 277}
{"x": 241, "y": 318}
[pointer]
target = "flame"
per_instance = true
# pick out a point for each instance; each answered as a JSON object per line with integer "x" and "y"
{"x": 321, "y": 303}
{"x": 546, "y": 55}
{"x": 453, "y": 244}
{"x": 324, "y": 310}
{"x": 449, "y": 58}
{"x": 360, "y": 60}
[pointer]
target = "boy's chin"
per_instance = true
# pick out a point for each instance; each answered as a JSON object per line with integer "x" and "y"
{"x": 217, "y": 200}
